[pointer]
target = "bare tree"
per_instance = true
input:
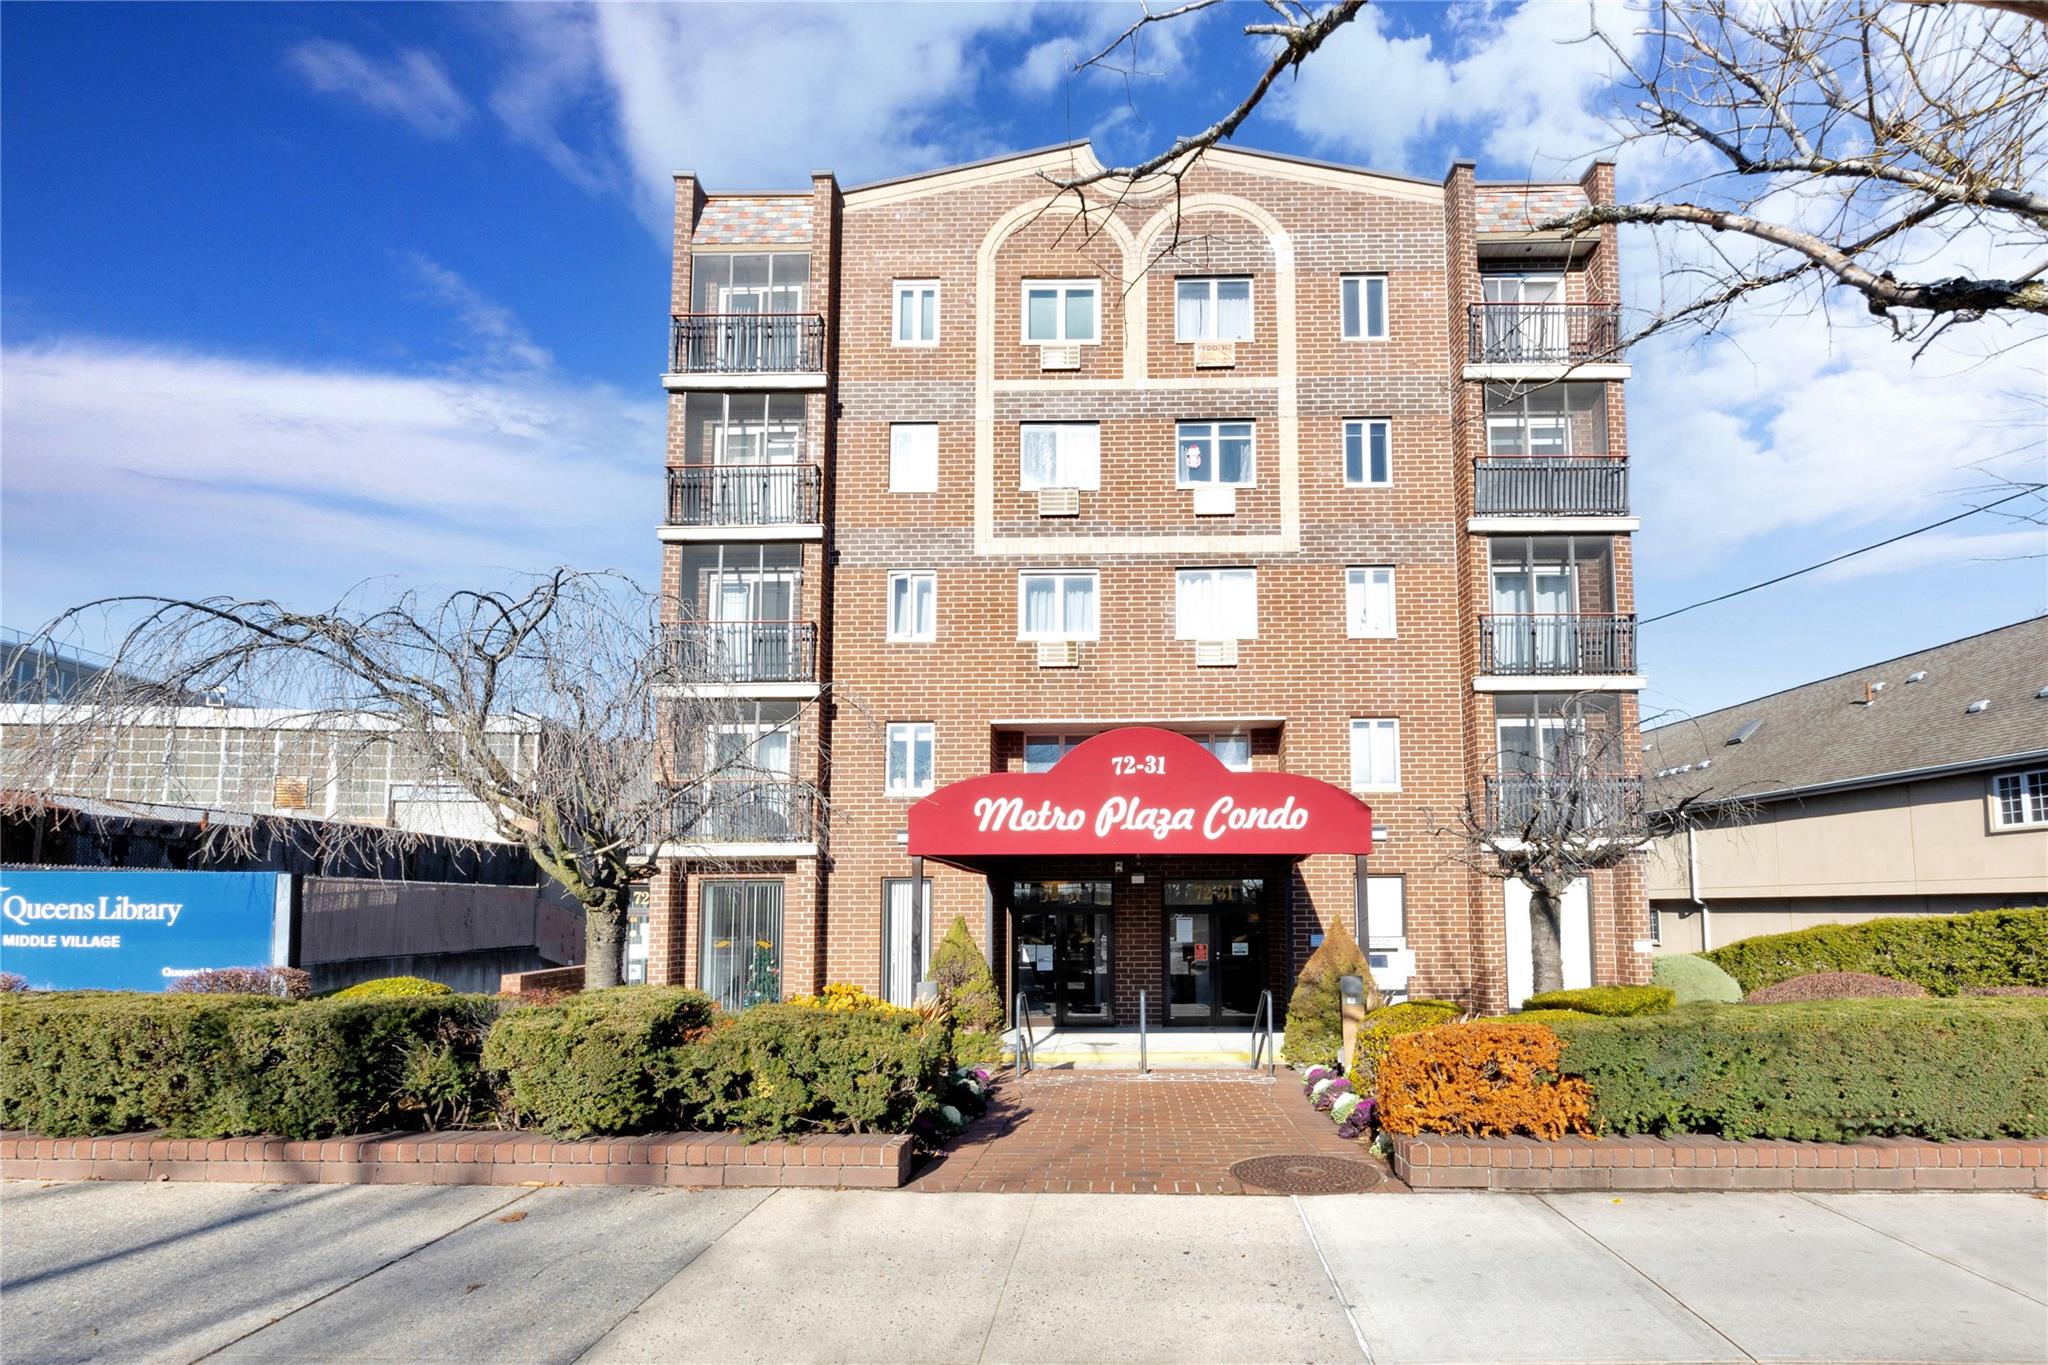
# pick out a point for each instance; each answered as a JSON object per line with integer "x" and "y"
{"x": 1846, "y": 145}
{"x": 586, "y": 730}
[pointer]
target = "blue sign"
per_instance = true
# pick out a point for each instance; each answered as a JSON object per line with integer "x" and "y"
{"x": 111, "y": 929}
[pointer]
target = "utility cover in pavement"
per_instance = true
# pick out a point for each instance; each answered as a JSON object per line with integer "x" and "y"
{"x": 1307, "y": 1174}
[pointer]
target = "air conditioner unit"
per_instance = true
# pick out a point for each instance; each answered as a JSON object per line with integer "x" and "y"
{"x": 1059, "y": 653}
{"x": 1216, "y": 654}
{"x": 1059, "y": 357}
{"x": 1216, "y": 502}
{"x": 1215, "y": 355}
{"x": 1059, "y": 502}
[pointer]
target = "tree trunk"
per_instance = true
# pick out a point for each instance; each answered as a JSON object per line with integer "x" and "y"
{"x": 1546, "y": 941}
{"x": 604, "y": 938}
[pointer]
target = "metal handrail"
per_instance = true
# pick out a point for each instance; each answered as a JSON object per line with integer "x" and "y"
{"x": 1027, "y": 1041}
{"x": 1144, "y": 1062}
{"x": 1262, "y": 1040}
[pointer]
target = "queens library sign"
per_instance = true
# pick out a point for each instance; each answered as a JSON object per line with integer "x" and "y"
{"x": 116, "y": 929}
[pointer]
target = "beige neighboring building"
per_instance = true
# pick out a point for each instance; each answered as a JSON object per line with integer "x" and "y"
{"x": 1914, "y": 786}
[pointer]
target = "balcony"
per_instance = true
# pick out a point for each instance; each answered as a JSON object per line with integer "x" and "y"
{"x": 1546, "y": 334}
{"x": 1576, "y": 805}
{"x": 749, "y": 344}
{"x": 741, "y": 656}
{"x": 751, "y": 496}
{"x": 746, "y": 811}
{"x": 1550, "y": 486}
{"x": 1556, "y": 644}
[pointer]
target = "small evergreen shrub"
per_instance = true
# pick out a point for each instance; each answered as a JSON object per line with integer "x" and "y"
{"x": 1834, "y": 986}
{"x": 1945, "y": 953}
{"x": 968, "y": 988}
{"x": 781, "y": 1069}
{"x": 1825, "y": 1071}
{"x": 1315, "y": 1016}
{"x": 288, "y": 983}
{"x": 392, "y": 988}
{"x": 604, "y": 1061}
{"x": 1692, "y": 979}
{"x": 1617, "y": 1001}
{"x": 1491, "y": 1078}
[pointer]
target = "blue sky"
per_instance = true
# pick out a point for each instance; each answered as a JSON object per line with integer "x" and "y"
{"x": 299, "y": 295}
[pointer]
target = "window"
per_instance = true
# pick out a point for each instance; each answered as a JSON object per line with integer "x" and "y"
{"x": 1386, "y": 913}
{"x": 1369, "y": 603}
{"x": 1214, "y": 453}
{"x": 741, "y": 964}
{"x": 910, "y": 760}
{"x": 1042, "y": 751}
{"x": 1557, "y": 419}
{"x": 1368, "y": 459}
{"x": 907, "y": 939}
{"x": 1233, "y": 751}
{"x": 1056, "y": 606}
{"x": 913, "y": 605}
{"x": 749, "y": 281}
{"x": 2020, "y": 799}
{"x": 913, "y": 457}
{"x": 1212, "y": 310}
{"x": 1057, "y": 311}
{"x": 1216, "y": 604}
{"x": 1375, "y": 755}
{"x": 917, "y": 313}
{"x": 1059, "y": 455}
{"x": 1365, "y": 307}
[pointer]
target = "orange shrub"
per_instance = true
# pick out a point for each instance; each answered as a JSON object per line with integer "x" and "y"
{"x": 1488, "y": 1079}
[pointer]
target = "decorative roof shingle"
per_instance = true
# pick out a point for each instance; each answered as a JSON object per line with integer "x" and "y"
{"x": 747, "y": 222}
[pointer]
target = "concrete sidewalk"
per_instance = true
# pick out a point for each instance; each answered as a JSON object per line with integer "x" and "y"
{"x": 125, "y": 1272}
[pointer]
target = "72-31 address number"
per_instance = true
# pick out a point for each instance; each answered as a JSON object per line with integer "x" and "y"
{"x": 1125, "y": 764}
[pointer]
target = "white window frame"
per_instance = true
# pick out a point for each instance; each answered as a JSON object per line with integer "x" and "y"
{"x": 1362, "y": 777}
{"x": 1214, "y": 630}
{"x": 1061, "y": 456}
{"x": 909, "y": 733}
{"x": 2032, "y": 785}
{"x": 1360, "y": 582}
{"x": 1365, "y": 427}
{"x": 930, "y": 580}
{"x": 1362, "y": 279}
{"x": 1093, "y": 288}
{"x": 1208, "y": 738}
{"x": 1180, "y": 334}
{"x": 1186, "y": 433}
{"x": 914, "y": 289}
{"x": 1059, "y": 597}
{"x": 900, "y": 467}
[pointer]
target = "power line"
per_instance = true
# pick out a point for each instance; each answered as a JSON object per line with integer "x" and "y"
{"x": 2028, "y": 491}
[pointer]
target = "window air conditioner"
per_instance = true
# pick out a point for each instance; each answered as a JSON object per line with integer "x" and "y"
{"x": 1216, "y": 654}
{"x": 1216, "y": 502}
{"x": 1059, "y": 502}
{"x": 1059, "y": 357}
{"x": 1059, "y": 653}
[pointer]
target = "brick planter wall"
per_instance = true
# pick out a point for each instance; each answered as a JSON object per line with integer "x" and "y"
{"x": 1711, "y": 1163}
{"x": 689, "y": 1159}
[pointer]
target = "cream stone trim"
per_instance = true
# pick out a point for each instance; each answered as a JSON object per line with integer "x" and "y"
{"x": 1560, "y": 682}
{"x": 1210, "y": 384}
{"x": 1336, "y": 177}
{"x": 1073, "y": 161}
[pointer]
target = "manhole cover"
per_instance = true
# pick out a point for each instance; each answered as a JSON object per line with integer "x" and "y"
{"x": 1307, "y": 1174}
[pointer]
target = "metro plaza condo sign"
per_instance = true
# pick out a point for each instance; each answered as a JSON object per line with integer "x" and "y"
{"x": 1139, "y": 790}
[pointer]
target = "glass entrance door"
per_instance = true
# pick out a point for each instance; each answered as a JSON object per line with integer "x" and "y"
{"x": 1215, "y": 951}
{"x": 1064, "y": 949}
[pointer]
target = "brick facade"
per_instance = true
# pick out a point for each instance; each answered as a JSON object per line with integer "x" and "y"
{"x": 1294, "y": 230}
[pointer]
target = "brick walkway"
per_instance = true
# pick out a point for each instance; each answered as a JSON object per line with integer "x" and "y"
{"x": 1118, "y": 1132}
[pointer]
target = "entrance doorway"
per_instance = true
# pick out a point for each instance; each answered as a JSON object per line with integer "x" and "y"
{"x": 1063, "y": 945}
{"x": 1215, "y": 951}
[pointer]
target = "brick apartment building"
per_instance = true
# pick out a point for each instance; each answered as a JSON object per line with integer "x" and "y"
{"x": 1320, "y": 470}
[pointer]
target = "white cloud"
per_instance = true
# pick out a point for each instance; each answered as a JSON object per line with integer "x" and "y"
{"x": 1938, "y": 548}
{"x": 410, "y": 85}
{"x": 135, "y": 469}
{"x": 496, "y": 337}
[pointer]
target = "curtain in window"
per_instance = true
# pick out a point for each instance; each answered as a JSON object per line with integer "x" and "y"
{"x": 1038, "y": 605}
{"x": 1233, "y": 453}
{"x": 1040, "y": 457}
{"x": 1192, "y": 310}
{"x": 1079, "y": 594}
{"x": 910, "y": 941}
{"x": 1081, "y": 457}
{"x": 1233, "y": 310}
{"x": 1218, "y": 606}
{"x": 1232, "y": 751}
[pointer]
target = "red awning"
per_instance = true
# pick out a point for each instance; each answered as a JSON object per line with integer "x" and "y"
{"x": 1132, "y": 791}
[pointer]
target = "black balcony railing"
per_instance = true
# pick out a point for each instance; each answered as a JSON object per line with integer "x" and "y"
{"x": 1550, "y": 485}
{"x": 742, "y": 651}
{"x": 1526, "y": 645}
{"x": 1543, "y": 333}
{"x": 1543, "y": 805}
{"x": 744, "y": 495}
{"x": 746, "y": 811}
{"x": 746, "y": 343}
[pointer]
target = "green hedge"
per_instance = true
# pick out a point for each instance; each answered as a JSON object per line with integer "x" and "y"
{"x": 599, "y": 1062}
{"x": 1615, "y": 1001}
{"x": 1692, "y": 979}
{"x": 1823, "y": 1071}
{"x": 785, "y": 1069}
{"x": 1947, "y": 954}
{"x": 77, "y": 1063}
{"x": 392, "y": 988}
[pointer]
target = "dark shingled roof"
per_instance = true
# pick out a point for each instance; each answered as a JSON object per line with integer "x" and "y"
{"x": 1824, "y": 733}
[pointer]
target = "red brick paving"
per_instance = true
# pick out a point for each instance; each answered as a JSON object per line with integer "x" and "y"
{"x": 1119, "y": 1132}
